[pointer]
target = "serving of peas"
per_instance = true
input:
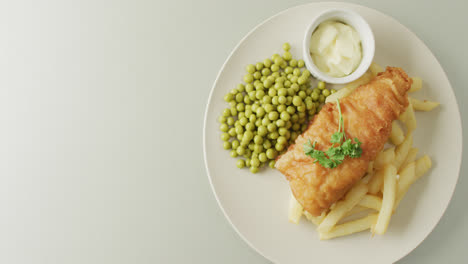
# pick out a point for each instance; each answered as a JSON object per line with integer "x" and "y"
{"x": 269, "y": 110}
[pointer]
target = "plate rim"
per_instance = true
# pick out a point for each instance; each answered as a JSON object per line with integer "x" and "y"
{"x": 221, "y": 71}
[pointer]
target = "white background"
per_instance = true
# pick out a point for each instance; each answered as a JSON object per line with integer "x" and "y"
{"x": 101, "y": 115}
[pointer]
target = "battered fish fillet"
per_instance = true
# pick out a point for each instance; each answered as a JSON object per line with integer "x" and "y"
{"x": 368, "y": 113}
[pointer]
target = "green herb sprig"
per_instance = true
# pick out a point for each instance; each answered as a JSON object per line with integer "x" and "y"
{"x": 335, "y": 155}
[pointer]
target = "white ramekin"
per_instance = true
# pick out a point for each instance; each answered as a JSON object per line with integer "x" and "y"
{"x": 367, "y": 43}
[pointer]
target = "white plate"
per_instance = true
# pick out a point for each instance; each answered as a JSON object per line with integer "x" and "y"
{"x": 257, "y": 205}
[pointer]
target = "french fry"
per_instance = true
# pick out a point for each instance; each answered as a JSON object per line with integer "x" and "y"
{"x": 410, "y": 157}
{"x": 375, "y": 69}
{"x": 407, "y": 177}
{"x": 411, "y": 173}
{"x": 364, "y": 79}
{"x": 396, "y": 136}
{"x": 366, "y": 179}
{"x": 356, "y": 209}
{"x": 342, "y": 207}
{"x": 422, "y": 165}
{"x": 409, "y": 118}
{"x": 295, "y": 210}
{"x": 370, "y": 168}
{"x": 376, "y": 182}
{"x": 417, "y": 84}
{"x": 350, "y": 227}
{"x": 315, "y": 219}
{"x": 402, "y": 150}
{"x": 343, "y": 92}
{"x": 388, "y": 200}
{"x": 425, "y": 105}
{"x": 384, "y": 157}
{"x": 371, "y": 201}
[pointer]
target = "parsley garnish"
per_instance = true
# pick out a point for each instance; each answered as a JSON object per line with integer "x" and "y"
{"x": 335, "y": 155}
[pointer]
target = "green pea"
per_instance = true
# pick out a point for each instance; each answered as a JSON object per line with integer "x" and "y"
{"x": 258, "y": 122}
{"x": 255, "y": 162}
{"x": 262, "y": 130}
{"x": 293, "y": 63}
{"x": 225, "y": 136}
{"x": 232, "y": 132}
{"x": 253, "y": 118}
{"x": 227, "y": 145}
{"x": 294, "y": 79}
{"x": 230, "y": 120}
{"x": 271, "y": 127}
{"x": 262, "y": 157}
{"x": 259, "y": 94}
{"x": 322, "y": 98}
{"x": 258, "y": 139}
{"x": 275, "y": 100}
{"x": 232, "y": 104}
{"x": 224, "y": 127}
{"x": 278, "y": 85}
{"x": 302, "y": 80}
{"x": 239, "y": 136}
{"x": 302, "y": 94}
{"x": 297, "y": 72}
{"x": 286, "y": 46}
{"x": 281, "y": 108}
{"x": 291, "y": 110}
{"x": 266, "y": 144}
{"x": 259, "y": 66}
{"x": 268, "y": 107}
{"x": 287, "y": 56}
{"x": 222, "y": 119}
{"x": 333, "y": 91}
{"x": 233, "y": 153}
{"x": 273, "y": 115}
{"x": 315, "y": 96}
{"x": 247, "y": 162}
{"x": 274, "y": 56}
{"x": 272, "y": 164}
{"x": 282, "y": 92}
{"x": 257, "y": 75}
{"x": 294, "y": 118}
{"x": 240, "y": 163}
{"x": 274, "y": 135}
{"x": 282, "y": 131}
{"x": 291, "y": 92}
{"x": 250, "y": 68}
{"x": 239, "y": 97}
{"x": 306, "y": 73}
{"x": 326, "y": 92}
{"x": 249, "y": 127}
{"x": 267, "y": 63}
{"x": 248, "y": 78}
{"x": 249, "y": 87}
{"x": 301, "y": 108}
{"x": 248, "y": 153}
{"x": 297, "y": 100}
{"x": 261, "y": 112}
{"x": 228, "y": 97}
{"x": 239, "y": 129}
{"x": 288, "y": 126}
{"x": 274, "y": 67}
{"x": 296, "y": 126}
{"x": 235, "y": 144}
{"x": 233, "y": 111}
{"x": 280, "y": 123}
{"x": 288, "y": 70}
{"x": 287, "y": 84}
{"x": 267, "y": 83}
{"x": 282, "y": 99}
{"x": 227, "y": 112}
{"x": 309, "y": 104}
{"x": 301, "y": 115}
{"x": 258, "y": 148}
{"x": 321, "y": 85}
{"x": 283, "y": 65}
{"x": 271, "y": 92}
{"x": 300, "y": 63}
{"x": 253, "y": 169}
{"x": 275, "y": 74}
{"x": 312, "y": 111}
{"x": 282, "y": 140}
{"x": 240, "y": 150}
{"x": 271, "y": 153}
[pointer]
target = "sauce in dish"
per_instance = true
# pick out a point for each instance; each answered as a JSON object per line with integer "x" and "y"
{"x": 335, "y": 48}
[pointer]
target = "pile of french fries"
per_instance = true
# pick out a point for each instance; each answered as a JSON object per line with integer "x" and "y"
{"x": 387, "y": 180}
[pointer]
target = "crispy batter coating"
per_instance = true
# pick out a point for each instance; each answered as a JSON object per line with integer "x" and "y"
{"x": 368, "y": 113}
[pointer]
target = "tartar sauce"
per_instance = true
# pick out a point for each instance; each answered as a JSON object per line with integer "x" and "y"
{"x": 336, "y": 48}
